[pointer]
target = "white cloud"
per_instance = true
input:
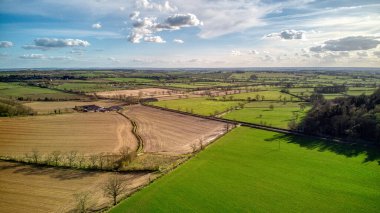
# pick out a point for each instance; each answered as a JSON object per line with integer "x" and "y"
{"x": 287, "y": 35}
{"x": 377, "y": 54}
{"x": 33, "y": 56}
{"x": 6, "y": 44}
{"x": 113, "y": 59}
{"x": 362, "y": 54}
{"x": 134, "y": 15}
{"x": 350, "y": 43}
{"x": 253, "y": 52}
{"x": 146, "y": 4}
{"x": 178, "y": 41}
{"x": 236, "y": 53}
{"x": 154, "y": 39}
{"x": 177, "y": 21}
{"x": 96, "y": 26}
{"x": 48, "y": 43}
{"x": 59, "y": 58}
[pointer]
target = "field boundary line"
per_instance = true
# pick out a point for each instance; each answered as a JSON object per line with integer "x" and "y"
{"x": 140, "y": 141}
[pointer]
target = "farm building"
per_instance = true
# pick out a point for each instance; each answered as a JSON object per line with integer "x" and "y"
{"x": 95, "y": 108}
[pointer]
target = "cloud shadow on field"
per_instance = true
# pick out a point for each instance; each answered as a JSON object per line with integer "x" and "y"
{"x": 372, "y": 152}
{"x": 56, "y": 173}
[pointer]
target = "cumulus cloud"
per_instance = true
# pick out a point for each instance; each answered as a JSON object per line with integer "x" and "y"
{"x": 253, "y": 52}
{"x": 154, "y": 39}
{"x": 235, "y": 53}
{"x": 48, "y": 43}
{"x": 33, "y": 56}
{"x": 177, "y": 21}
{"x": 362, "y": 54}
{"x": 350, "y": 43}
{"x": 178, "y": 41}
{"x": 96, "y": 26}
{"x": 6, "y": 44}
{"x": 165, "y": 7}
{"x": 287, "y": 35}
{"x": 144, "y": 28}
{"x": 377, "y": 54}
{"x": 134, "y": 15}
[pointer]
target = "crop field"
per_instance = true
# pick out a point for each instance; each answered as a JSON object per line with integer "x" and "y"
{"x": 145, "y": 93}
{"x": 14, "y": 90}
{"x": 267, "y": 95}
{"x": 87, "y": 133}
{"x": 86, "y": 87}
{"x": 261, "y": 171}
{"x": 360, "y": 90}
{"x": 193, "y": 85}
{"x": 32, "y": 189}
{"x": 131, "y": 80}
{"x": 258, "y": 112}
{"x": 200, "y": 106}
{"x": 172, "y": 133}
{"x": 45, "y": 107}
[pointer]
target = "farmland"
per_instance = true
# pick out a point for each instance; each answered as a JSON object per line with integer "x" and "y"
{"x": 50, "y": 107}
{"x": 201, "y": 167}
{"x": 86, "y": 133}
{"x": 267, "y": 172}
{"x": 261, "y": 113}
{"x": 201, "y": 106}
{"x": 14, "y": 90}
{"x": 172, "y": 133}
{"x": 33, "y": 189}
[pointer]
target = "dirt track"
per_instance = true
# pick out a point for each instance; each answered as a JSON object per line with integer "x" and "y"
{"x": 82, "y": 132}
{"x": 172, "y": 133}
{"x": 29, "y": 189}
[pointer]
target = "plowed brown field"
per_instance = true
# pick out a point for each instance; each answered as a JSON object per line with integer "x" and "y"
{"x": 146, "y": 93}
{"x": 82, "y": 132}
{"x": 30, "y": 189}
{"x": 173, "y": 133}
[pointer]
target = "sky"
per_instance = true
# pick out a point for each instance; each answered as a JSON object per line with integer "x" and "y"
{"x": 183, "y": 33}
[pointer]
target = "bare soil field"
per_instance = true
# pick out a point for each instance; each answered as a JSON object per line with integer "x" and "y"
{"x": 83, "y": 132}
{"x": 172, "y": 133}
{"x": 45, "y": 107}
{"x": 145, "y": 93}
{"x": 30, "y": 189}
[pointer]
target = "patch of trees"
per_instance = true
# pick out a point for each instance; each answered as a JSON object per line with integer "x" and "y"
{"x": 9, "y": 108}
{"x": 331, "y": 89}
{"x": 355, "y": 117}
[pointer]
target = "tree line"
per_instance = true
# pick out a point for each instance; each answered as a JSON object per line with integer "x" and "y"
{"x": 354, "y": 117}
{"x": 9, "y": 108}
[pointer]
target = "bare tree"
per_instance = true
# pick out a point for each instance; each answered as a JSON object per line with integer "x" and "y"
{"x": 201, "y": 145}
{"x": 56, "y": 157}
{"x": 80, "y": 160}
{"x": 83, "y": 202}
{"x": 35, "y": 156}
{"x": 71, "y": 157}
{"x": 124, "y": 152}
{"x": 101, "y": 159}
{"x": 113, "y": 187}
{"x": 194, "y": 147}
{"x": 93, "y": 160}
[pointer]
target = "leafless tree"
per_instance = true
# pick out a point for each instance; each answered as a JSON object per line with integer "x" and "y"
{"x": 101, "y": 159}
{"x": 56, "y": 157}
{"x": 83, "y": 202}
{"x": 71, "y": 157}
{"x": 80, "y": 160}
{"x": 35, "y": 156}
{"x": 113, "y": 187}
{"x": 93, "y": 160}
{"x": 201, "y": 145}
{"x": 124, "y": 152}
{"x": 194, "y": 147}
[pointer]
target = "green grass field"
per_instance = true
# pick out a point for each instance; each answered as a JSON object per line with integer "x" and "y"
{"x": 130, "y": 80}
{"x": 268, "y": 95}
{"x": 200, "y": 106}
{"x": 193, "y": 85}
{"x": 258, "y": 112}
{"x": 86, "y": 87}
{"x": 15, "y": 90}
{"x": 246, "y": 171}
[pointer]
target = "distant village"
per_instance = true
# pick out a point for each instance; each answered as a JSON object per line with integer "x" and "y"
{"x": 95, "y": 108}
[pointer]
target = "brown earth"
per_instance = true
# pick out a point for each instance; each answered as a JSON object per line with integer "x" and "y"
{"x": 30, "y": 189}
{"x": 48, "y": 107}
{"x": 83, "y": 132}
{"x": 172, "y": 133}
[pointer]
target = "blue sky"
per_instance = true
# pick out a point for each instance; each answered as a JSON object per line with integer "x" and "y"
{"x": 197, "y": 33}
